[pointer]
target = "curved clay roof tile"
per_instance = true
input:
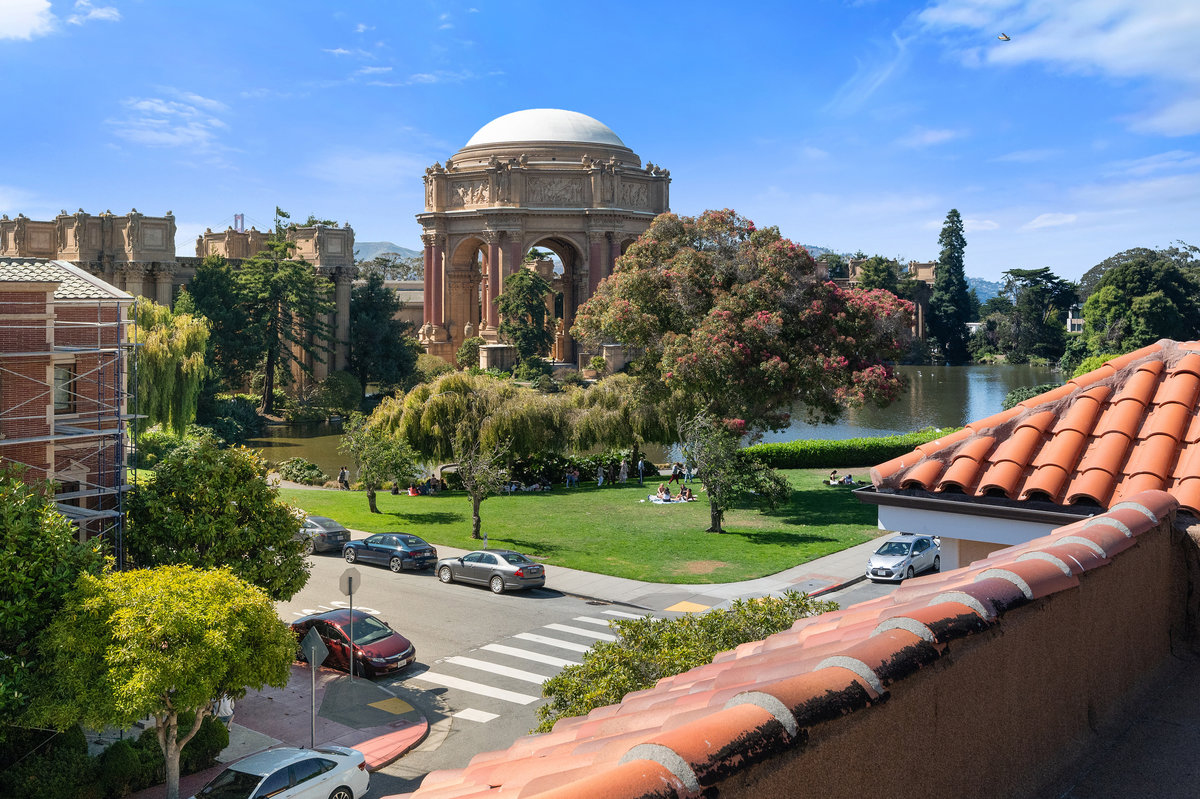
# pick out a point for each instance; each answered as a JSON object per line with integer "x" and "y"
{"x": 1048, "y": 479}
{"x": 1190, "y": 364}
{"x": 1004, "y": 476}
{"x": 923, "y": 475}
{"x": 1094, "y": 484}
{"x": 1124, "y": 416}
{"x": 1180, "y": 387}
{"x": 1142, "y": 383}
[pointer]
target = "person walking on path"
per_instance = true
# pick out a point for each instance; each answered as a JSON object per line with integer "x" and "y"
{"x": 624, "y": 475}
{"x": 344, "y": 479}
{"x": 599, "y": 475}
{"x": 676, "y": 474}
{"x": 224, "y": 710}
{"x": 641, "y": 470}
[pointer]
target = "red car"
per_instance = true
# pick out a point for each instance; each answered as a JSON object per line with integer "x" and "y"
{"x": 378, "y": 649}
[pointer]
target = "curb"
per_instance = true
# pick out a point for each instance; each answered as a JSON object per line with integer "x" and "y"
{"x": 831, "y": 588}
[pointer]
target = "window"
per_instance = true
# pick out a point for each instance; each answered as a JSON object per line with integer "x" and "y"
{"x": 307, "y": 769}
{"x": 488, "y": 560}
{"x": 64, "y": 389}
{"x": 474, "y": 557}
{"x": 276, "y": 783}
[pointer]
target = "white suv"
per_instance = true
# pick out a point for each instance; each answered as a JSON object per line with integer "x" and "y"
{"x": 328, "y": 772}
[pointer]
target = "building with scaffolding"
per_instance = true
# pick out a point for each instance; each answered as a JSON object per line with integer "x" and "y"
{"x": 63, "y": 394}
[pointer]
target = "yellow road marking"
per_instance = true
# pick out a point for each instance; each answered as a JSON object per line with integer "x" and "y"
{"x": 395, "y": 706}
{"x": 688, "y": 607}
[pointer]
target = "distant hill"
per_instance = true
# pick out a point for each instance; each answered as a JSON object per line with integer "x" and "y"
{"x": 985, "y": 289}
{"x": 369, "y": 250}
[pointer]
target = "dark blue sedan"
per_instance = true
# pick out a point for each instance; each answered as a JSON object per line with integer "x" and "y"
{"x": 397, "y": 551}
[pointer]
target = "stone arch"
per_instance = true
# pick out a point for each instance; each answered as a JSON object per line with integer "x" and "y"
{"x": 569, "y": 286}
{"x": 464, "y": 286}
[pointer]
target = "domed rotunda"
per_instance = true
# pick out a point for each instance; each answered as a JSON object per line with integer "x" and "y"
{"x": 547, "y": 178}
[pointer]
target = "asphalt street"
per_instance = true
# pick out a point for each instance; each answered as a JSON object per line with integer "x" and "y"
{"x": 481, "y": 657}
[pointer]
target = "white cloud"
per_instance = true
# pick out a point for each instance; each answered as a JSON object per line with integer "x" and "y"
{"x": 868, "y": 76}
{"x": 975, "y": 225}
{"x": 158, "y": 122}
{"x": 363, "y": 27}
{"x": 1049, "y": 220}
{"x": 85, "y": 11}
{"x": 927, "y": 137}
{"x": 1115, "y": 38}
{"x": 1172, "y": 160}
{"x": 26, "y": 19}
{"x": 374, "y": 70}
{"x": 337, "y": 51}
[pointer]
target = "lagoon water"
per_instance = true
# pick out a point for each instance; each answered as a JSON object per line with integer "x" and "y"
{"x": 937, "y": 396}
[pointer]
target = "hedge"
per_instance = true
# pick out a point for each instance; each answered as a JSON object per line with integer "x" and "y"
{"x": 841, "y": 453}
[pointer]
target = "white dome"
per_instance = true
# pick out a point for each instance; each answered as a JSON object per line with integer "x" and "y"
{"x": 545, "y": 125}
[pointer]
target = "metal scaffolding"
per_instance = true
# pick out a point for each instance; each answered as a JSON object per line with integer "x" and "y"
{"x": 90, "y": 446}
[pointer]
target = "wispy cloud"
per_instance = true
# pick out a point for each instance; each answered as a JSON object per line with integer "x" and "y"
{"x": 27, "y": 19}
{"x": 1116, "y": 38}
{"x": 1174, "y": 160}
{"x": 974, "y": 225}
{"x": 86, "y": 12}
{"x": 927, "y": 137}
{"x": 445, "y": 23}
{"x": 159, "y": 122}
{"x": 374, "y": 70}
{"x": 1049, "y": 220}
{"x": 363, "y": 27}
{"x": 868, "y": 76}
{"x": 1027, "y": 156}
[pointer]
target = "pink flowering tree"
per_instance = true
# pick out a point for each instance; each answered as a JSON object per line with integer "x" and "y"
{"x": 734, "y": 321}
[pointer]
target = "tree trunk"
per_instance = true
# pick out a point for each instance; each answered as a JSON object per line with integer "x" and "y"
{"x": 371, "y": 500}
{"x": 475, "y": 524}
{"x": 715, "y": 517}
{"x": 268, "y": 399}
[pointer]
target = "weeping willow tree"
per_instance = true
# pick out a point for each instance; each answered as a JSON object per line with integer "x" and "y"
{"x": 615, "y": 413}
{"x": 169, "y": 352}
{"x": 474, "y": 421}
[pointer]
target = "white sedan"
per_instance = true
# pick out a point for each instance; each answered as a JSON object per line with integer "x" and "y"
{"x": 903, "y": 556}
{"x": 328, "y": 772}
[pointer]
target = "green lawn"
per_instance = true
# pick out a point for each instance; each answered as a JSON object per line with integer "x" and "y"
{"x": 610, "y": 532}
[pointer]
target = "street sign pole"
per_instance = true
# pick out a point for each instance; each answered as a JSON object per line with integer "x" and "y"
{"x": 313, "y": 673}
{"x": 315, "y": 652}
{"x": 349, "y": 578}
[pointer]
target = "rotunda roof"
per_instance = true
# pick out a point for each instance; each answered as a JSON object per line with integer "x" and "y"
{"x": 545, "y": 125}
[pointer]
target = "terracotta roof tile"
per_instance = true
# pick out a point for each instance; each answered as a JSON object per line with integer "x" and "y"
{"x": 1131, "y": 425}
{"x": 689, "y": 734}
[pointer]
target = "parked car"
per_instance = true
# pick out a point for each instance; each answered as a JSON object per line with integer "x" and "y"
{"x": 322, "y": 534}
{"x": 378, "y": 649}
{"x": 903, "y": 556}
{"x": 329, "y": 772}
{"x": 398, "y": 551}
{"x": 500, "y": 569}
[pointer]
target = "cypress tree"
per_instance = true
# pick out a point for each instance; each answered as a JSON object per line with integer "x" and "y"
{"x": 950, "y": 304}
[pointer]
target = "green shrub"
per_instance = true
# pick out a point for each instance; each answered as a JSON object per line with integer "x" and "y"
{"x": 598, "y": 364}
{"x": 1092, "y": 363}
{"x": 572, "y": 378}
{"x": 341, "y": 392}
{"x": 429, "y": 367}
{"x": 60, "y": 768}
{"x": 858, "y": 452}
{"x": 300, "y": 470}
{"x": 1019, "y": 395}
{"x": 201, "y": 752}
{"x": 232, "y": 418}
{"x": 531, "y": 369}
{"x": 649, "y": 649}
{"x": 545, "y": 384}
{"x": 468, "y": 354}
{"x": 120, "y": 768}
{"x": 153, "y": 446}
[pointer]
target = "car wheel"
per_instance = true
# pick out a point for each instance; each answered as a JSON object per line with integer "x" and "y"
{"x": 497, "y": 584}
{"x": 341, "y": 792}
{"x": 937, "y": 563}
{"x": 351, "y": 555}
{"x": 908, "y": 573}
{"x": 308, "y": 546}
{"x": 444, "y": 574}
{"x": 396, "y": 565}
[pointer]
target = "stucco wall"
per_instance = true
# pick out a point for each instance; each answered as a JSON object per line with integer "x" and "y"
{"x": 1004, "y": 711}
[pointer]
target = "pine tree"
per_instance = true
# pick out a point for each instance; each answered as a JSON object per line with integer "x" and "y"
{"x": 950, "y": 305}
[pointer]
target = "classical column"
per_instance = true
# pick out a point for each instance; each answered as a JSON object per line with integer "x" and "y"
{"x": 427, "y": 279}
{"x": 512, "y": 255}
{"x": 164, "y": 277}
{"x": 343, "y": 277}
{"x": 614, "y": 252}
{"x": 595, "y": 261}
{"x": 439, "y": 278}
{"x": 134, "y": 274}
{"x": 494, "y": 284}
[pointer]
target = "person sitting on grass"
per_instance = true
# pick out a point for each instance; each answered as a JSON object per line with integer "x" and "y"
{"x": 833, "y": 478}
{"x": 686, "y": 494}
{"x": 664, "y": 493}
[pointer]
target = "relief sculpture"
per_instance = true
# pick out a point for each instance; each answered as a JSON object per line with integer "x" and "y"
{"x": 635, "y": 195}
{"x": 556, "y": 191}
{"x": 470, "y": 192}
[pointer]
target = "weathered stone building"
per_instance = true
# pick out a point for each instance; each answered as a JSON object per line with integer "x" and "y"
{"x": 548, "y": 178}
{"x": 136, "y": 253}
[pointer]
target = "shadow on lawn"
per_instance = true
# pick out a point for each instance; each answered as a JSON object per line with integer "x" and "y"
{"x": 538, "y": 548}
{"x": 823, "y": 506}
{"x": 429, "y": 517}
{"x": 779, "y": 538}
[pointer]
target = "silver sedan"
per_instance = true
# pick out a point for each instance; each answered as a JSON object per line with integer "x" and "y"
{"x": 499, "y": 569}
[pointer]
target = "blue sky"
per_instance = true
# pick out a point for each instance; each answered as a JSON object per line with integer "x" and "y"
{"x": 850, "y": 125}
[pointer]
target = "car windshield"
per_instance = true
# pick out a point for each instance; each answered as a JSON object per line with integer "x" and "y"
{"x": 325, "y": 524}
{"x": 231, "y": 784}
{"x": 516, "y": 558}
{"x": 412, "y": 541}
{"x": 368, "y": 630}
{"x": 894, "y": 548}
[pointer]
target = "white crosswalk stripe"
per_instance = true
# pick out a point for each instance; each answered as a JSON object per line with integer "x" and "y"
{"x": 472, "y": 687}
{"x": 471, "y": 714}
{"x": 592, "y": 620}
{"x": 495, "y": 668}
{"x": 548, "y": 641}
{"x": 624, "y": 615}
{"x": 526, "y": 654}
{"x": 566, "y": 628}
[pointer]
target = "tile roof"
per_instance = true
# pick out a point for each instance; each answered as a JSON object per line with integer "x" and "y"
{"x": 74, "y": 283}
{"x": 690, "y": 732}
{"x": 1129, "y": 426}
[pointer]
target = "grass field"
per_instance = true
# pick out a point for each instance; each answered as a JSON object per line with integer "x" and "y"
{"x": 609, "y": 531}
